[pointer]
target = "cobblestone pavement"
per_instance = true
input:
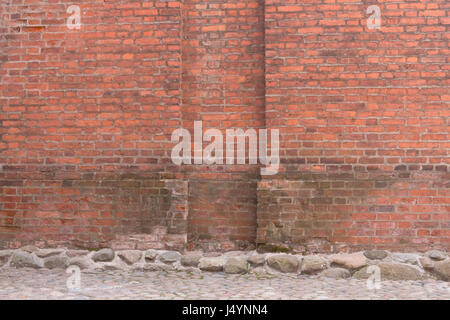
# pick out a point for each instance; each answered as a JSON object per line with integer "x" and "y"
{"x": 51, "y": 284}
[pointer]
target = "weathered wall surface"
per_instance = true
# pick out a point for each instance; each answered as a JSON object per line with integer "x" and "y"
{"x": 82, "y": 108}
{"x": 363, "y": 119}
{"x": 223, "y": 86}
{"x": 86, "y": 118}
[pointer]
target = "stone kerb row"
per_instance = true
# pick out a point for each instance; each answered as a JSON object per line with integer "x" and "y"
{"x": 393, "y": 266}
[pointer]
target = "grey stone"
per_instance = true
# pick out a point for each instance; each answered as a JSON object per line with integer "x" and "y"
{"x": 392, "y": 271}
{"x": 375, "y": 254}
{"x": 170, "y": 256}
{"x": 213, "y": 264}
{"x": 257, "y": 259}
{"x": 283, "y": 262}
{"x": 4, "y": 257}
{"x": 6, "y": 253}
{"x": 44, "y": 253}
{"x": 190, "y": 260}
{"x": 236, "y": 265}
{"x": 426, "y": 263}
{"x": 349, "y": 261}
{"x": 336, "y": 273}
{"x": 437, "y": 255}
{"x": 103, "y": 255}
{"x": 83, "y": 262}
{"x": 362, "y": 273}
{"x": 130, "y": 256}
{"x": 76, "y": 253}
{"x": 56, "y": 262}
{"x": 110, "y": 267}
{"x": 313, "y": 264}
{"x": 410, "y": 258}
{"x": 3, "y": 260}
{"x": 157, "y": 267}
{"x": 150, "y": 255}
{"x": 29, "y": 248}
{"x": 442, "y": 270}
{"x": 21, "y": 259}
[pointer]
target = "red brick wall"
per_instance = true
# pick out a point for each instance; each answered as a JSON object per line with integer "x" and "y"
{"x": 363, "y": 119}
{"x": 102, "y": 98}
{"x": 86, "y": 118}
{"x": 82, "y": 106}
{"x": 223, "y": 86}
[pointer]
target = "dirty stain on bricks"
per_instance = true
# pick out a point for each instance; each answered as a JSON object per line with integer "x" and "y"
{"x": 334, "y": 208}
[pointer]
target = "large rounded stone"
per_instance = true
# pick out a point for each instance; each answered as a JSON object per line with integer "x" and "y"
{"x": 283, "y": 262}
{"x": 104, "y": 255}
{"x": 349, "y": 261}
{"x": 426, "y": 263}
{"x": 437, "y": 255}
{"x": 150, "y": 255}
{"x": 170, "y": 256}
{"x": 190, "y": 260}
{"x": 117, "y": 264}
{"x": 83, "y": 262}
{"x": 56, "y": 262}
{"x": 313, "y": 264}
{"x": 3, "y": 261}
{"x": 4, "y": 257}
{"x": 130, "y": 256}
{"x": 392, "y": 271}
{"x": 409, "y": 258}
{"x": 442, "y": 270}
{"x": 375, "y": 254}
{"x": 44, "y": 253}
{"x": 213, "y": 264}
{"x": 152, "y": 267}
{"x": 236, "y": 265}
{"x": 21, "y": 259}
{"x": 29, "y": 248}
{"x": 7, "y": 252}
{"x": 336, "y": 273}
{"x": 257, "y": 259}
{"x": 76, "y": 253}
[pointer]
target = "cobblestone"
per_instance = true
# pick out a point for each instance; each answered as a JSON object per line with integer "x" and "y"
{"x": 29, "y": 283}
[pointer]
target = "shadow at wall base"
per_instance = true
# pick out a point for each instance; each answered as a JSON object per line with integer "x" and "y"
{"x": 308, "y": 212}
{"x": 298, "y": 212}
{"x": 93, "y": 210}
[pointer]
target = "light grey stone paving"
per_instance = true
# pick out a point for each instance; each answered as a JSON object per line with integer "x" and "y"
{"x": 29, "y": 283}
